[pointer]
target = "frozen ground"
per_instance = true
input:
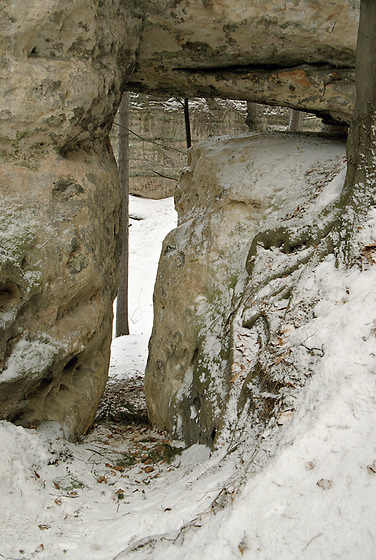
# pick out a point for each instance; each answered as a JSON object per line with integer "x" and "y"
{"x": 126, "y": 492}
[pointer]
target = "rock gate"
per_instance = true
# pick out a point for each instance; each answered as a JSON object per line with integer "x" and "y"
{"x": 64, "y": 66}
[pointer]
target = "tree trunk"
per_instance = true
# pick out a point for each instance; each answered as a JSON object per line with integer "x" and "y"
{"x": 359, "y": 190}
{"x": 122, "y": 325}
{"x": 251, "y": 118}
{"x": 361, "y": 144}
{"x": 187, "y": 123}
{"x": 296, "y": 120}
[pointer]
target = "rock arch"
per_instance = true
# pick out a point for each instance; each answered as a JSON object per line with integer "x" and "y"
{"x": 63, "y": 68}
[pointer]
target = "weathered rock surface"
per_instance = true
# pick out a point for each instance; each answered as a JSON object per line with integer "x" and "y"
{"x": 61, "y": 72}
{"x": 224, "y": 306}
{"x": 63, "y": 68}
{"x": 57, "y": 283}
{"x": 299, "y": 54}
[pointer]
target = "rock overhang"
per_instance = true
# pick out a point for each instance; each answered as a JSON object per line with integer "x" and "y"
{"x": 299, "y": 54}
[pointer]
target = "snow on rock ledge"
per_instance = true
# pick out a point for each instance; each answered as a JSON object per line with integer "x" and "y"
{"x": 226, "y": 346}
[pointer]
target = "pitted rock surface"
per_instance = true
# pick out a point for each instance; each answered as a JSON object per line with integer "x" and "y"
{"x": 62, "y": 69}
{"x": 64, "y": 66}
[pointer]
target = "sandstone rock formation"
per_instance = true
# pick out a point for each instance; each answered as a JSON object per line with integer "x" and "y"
{"x": 61, "y": 71}
{"x": 58, "y": 279}
{"x": 299, "y": 54}
{"x": 63, "y": 68}
{"x": 223, "y": 306}
{"x": 158, "y": 143}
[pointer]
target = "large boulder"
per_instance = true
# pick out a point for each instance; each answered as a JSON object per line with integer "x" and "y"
{"x": 225, "y": 300}
{"x": 58, "y": 278}
{"x": 62, "y": 68}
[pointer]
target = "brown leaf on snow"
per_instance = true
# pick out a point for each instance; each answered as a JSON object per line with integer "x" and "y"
{"x": 56, "y": 486}
{"x": 279, "y": 359}
{"x": 148, "y": 469}
{"x": 285, "y": 417}
{"x": 372, "y": 468}
{"x": 36, "y": 474}
{"x": 325, "y": 484}
{"x": 279, "y": 341}
{"x": 242, "y": 547}
{"x": 101, "y": 479}
{"x": 44, "y": 526}
{"x": 235, "y": 377}
{"x": 368, "y": 252}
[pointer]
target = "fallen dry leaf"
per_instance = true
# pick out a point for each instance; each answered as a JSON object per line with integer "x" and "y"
{"x": 235, "y": 377}
{"x": 325, "y": 484}
{"x": 285, "y": 417}
{"x": 242, "y": 547}
{"x": 279, "y": 359}
{"x": 44, "y": 526}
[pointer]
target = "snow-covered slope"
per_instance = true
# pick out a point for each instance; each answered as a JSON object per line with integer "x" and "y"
{"x": 315, "y": 498}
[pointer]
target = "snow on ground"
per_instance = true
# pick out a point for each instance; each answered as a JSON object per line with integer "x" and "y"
{"x": 150, "y": 221}
{"x": 110, "y": 497}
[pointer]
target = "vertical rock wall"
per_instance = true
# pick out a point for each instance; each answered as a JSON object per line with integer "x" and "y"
{"x": 62, "y": 64}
